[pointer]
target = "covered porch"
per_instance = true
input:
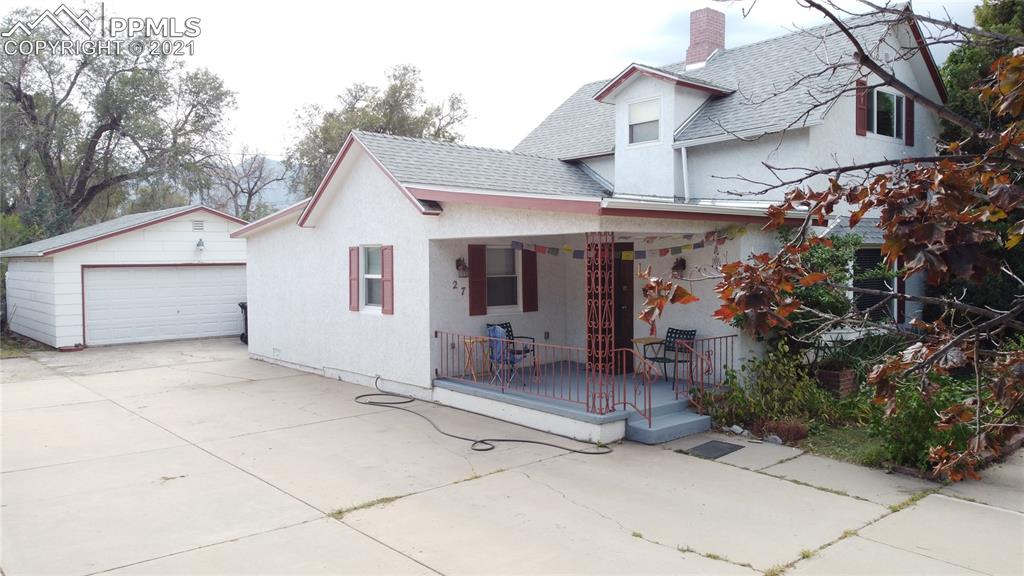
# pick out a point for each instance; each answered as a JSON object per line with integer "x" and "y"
{"x": 569, "y": 341}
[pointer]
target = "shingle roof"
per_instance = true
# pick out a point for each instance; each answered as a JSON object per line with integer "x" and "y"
{"x": 868, "y": 230}
{"x": 776, "y": 80}
{"x": 42, "y": 247}
{"x": 581, "y": 126}
{"x": 430, "y": 162}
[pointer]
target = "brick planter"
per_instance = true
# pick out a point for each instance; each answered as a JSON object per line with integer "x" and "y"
{"x": 842, "y": 382}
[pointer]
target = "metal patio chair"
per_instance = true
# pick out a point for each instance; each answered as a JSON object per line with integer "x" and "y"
{"x": 677, "y": 349}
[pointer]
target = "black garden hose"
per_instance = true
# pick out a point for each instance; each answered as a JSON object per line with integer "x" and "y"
{"x": 393, "y": 400}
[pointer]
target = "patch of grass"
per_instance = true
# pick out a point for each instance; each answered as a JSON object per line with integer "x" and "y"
{"x": 713, "y": 556}
{"x": 637, "y": 535}
{"x": 848, "y": 533}
{"x": 14, "y": 347}
{"x": 849, "y": 444}
{"x": 805, "y": 554}
{"x": 776, "y": 570}
{"x": 912, "y": 500}
{"x": 341, "y": 512}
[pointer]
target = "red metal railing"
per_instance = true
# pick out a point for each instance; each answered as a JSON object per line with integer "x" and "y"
{"x": 704, "y": 362}
{"x": 551, "y": 371}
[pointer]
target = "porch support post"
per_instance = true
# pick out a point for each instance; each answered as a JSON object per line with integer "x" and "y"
{"x": 600, "y": 321}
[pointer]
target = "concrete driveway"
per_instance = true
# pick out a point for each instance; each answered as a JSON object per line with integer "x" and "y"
{"x": 189, "y": 458}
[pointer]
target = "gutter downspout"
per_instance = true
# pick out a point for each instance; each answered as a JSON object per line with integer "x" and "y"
{"x": 686, "y": 174}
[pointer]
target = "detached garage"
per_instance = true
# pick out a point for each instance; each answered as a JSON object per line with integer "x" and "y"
{"x": 163, "y": 275}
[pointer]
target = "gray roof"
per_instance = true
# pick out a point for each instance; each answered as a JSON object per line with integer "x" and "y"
{"x": 776, "y": 80}
{"x": 581, "y": 126}
{"x": 39, "y": 248}
{"x": 868, "y": 230}
{"x": 431, "y": 162}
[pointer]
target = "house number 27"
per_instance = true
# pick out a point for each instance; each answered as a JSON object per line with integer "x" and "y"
{"x": 461, "y": 289}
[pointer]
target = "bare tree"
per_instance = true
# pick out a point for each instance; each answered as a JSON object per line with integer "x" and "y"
{"x": 239, "y": 182}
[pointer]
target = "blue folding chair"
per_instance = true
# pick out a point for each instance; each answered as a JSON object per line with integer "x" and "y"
{"x": 503, "y": 355}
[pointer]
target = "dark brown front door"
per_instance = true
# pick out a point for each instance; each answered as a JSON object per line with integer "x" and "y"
{"x": 624, "y": 283}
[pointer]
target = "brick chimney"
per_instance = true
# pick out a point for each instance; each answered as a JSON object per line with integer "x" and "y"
{"x": 707, "y": 34}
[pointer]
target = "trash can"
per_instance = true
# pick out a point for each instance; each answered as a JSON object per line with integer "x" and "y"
{"x": 245, "y": 322}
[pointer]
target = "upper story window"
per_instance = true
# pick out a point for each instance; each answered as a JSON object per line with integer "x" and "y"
{"x": 885, "y": 113}
{"x": 373, "y": 294}
{"x": 502, "y": 277}
{"x": 643, "y": 121}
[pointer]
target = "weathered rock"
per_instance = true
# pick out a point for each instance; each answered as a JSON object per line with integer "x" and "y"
{"x": 773, "y": 439}
{"x": 736, "y": 429}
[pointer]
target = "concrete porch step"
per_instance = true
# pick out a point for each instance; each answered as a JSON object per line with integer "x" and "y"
{"x": 666, "y": 427}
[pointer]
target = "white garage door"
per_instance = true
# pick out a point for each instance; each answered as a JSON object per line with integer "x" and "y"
{"x": 162, "y": 303}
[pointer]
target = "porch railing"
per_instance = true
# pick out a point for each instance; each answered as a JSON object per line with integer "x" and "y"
{"x": 552, "y": 371}
{"x": 709, "y": 359}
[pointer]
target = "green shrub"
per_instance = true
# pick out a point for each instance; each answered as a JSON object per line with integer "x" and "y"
{"x": 775, "y": 388}
{"x": 909, "y": 431}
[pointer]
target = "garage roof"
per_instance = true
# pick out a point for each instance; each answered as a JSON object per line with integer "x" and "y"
{"x": 106, "y": 229}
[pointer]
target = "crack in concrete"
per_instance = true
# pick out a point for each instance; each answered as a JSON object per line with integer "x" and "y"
{"x": 896, "y": 509}
{"x": 575, "y": 503}
{"x": 633, "y": 533}
{"x": 180, "y": 552}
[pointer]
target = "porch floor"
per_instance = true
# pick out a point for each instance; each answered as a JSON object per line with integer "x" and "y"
{"x": 561, "y": 390}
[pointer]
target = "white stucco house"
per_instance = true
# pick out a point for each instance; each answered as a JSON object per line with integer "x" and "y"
{"x": 392, "y": 271}
{"x": 162, "y": 275}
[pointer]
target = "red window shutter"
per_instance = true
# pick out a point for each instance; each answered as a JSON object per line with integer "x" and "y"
{"x": 477, "y": 279}
{"x": 862, "y": 107}
{"x": 387, "y": 279}
{"x": 353, "y": 278}
{"x": 908, "y": 129}
{"x": 529, "y": 260}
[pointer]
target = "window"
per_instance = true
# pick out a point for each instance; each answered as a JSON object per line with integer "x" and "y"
{"x": 502, "y": 278}
{"x": 885, "y": 114}
{"x": 869, "y": 272}
{"x": 373, "y": 294}
{"x": 643, "y": 121}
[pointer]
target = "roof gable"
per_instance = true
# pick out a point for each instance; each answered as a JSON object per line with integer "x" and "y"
{"x": 420, "y": 167}
{"x": 108, "y": 229}
{"x": 582, "y": 126}
{"x": 636, "y": 70}
{"x": 351, "y": 141}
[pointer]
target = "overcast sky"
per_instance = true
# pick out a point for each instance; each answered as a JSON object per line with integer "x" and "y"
{"x": 513, "y": 61}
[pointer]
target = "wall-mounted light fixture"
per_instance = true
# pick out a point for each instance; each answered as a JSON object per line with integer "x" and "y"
{"x": 462, "y": 267}
{"x": 200, "y": 245}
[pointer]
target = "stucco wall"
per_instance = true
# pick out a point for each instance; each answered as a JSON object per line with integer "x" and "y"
{"x": 298, "y": 279}
{"x": 604, "y": 166}
{"x": 557, "y": 277}
{"x": 831, "y": 143}
{"x": 651, "y": 168}
{"x": 715, "y": 169}
{"x": 30, "y": 309}
{"x": 169, "y": 242}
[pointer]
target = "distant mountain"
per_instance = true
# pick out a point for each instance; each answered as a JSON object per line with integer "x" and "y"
{"x": 277, "y": 195}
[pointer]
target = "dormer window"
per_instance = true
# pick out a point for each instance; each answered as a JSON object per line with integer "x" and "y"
{"x": 643, "y": 121}
{"x": 885, "y": 114}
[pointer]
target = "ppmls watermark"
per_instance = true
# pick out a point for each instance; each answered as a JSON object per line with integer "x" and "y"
{"x": 77, "y": 34}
